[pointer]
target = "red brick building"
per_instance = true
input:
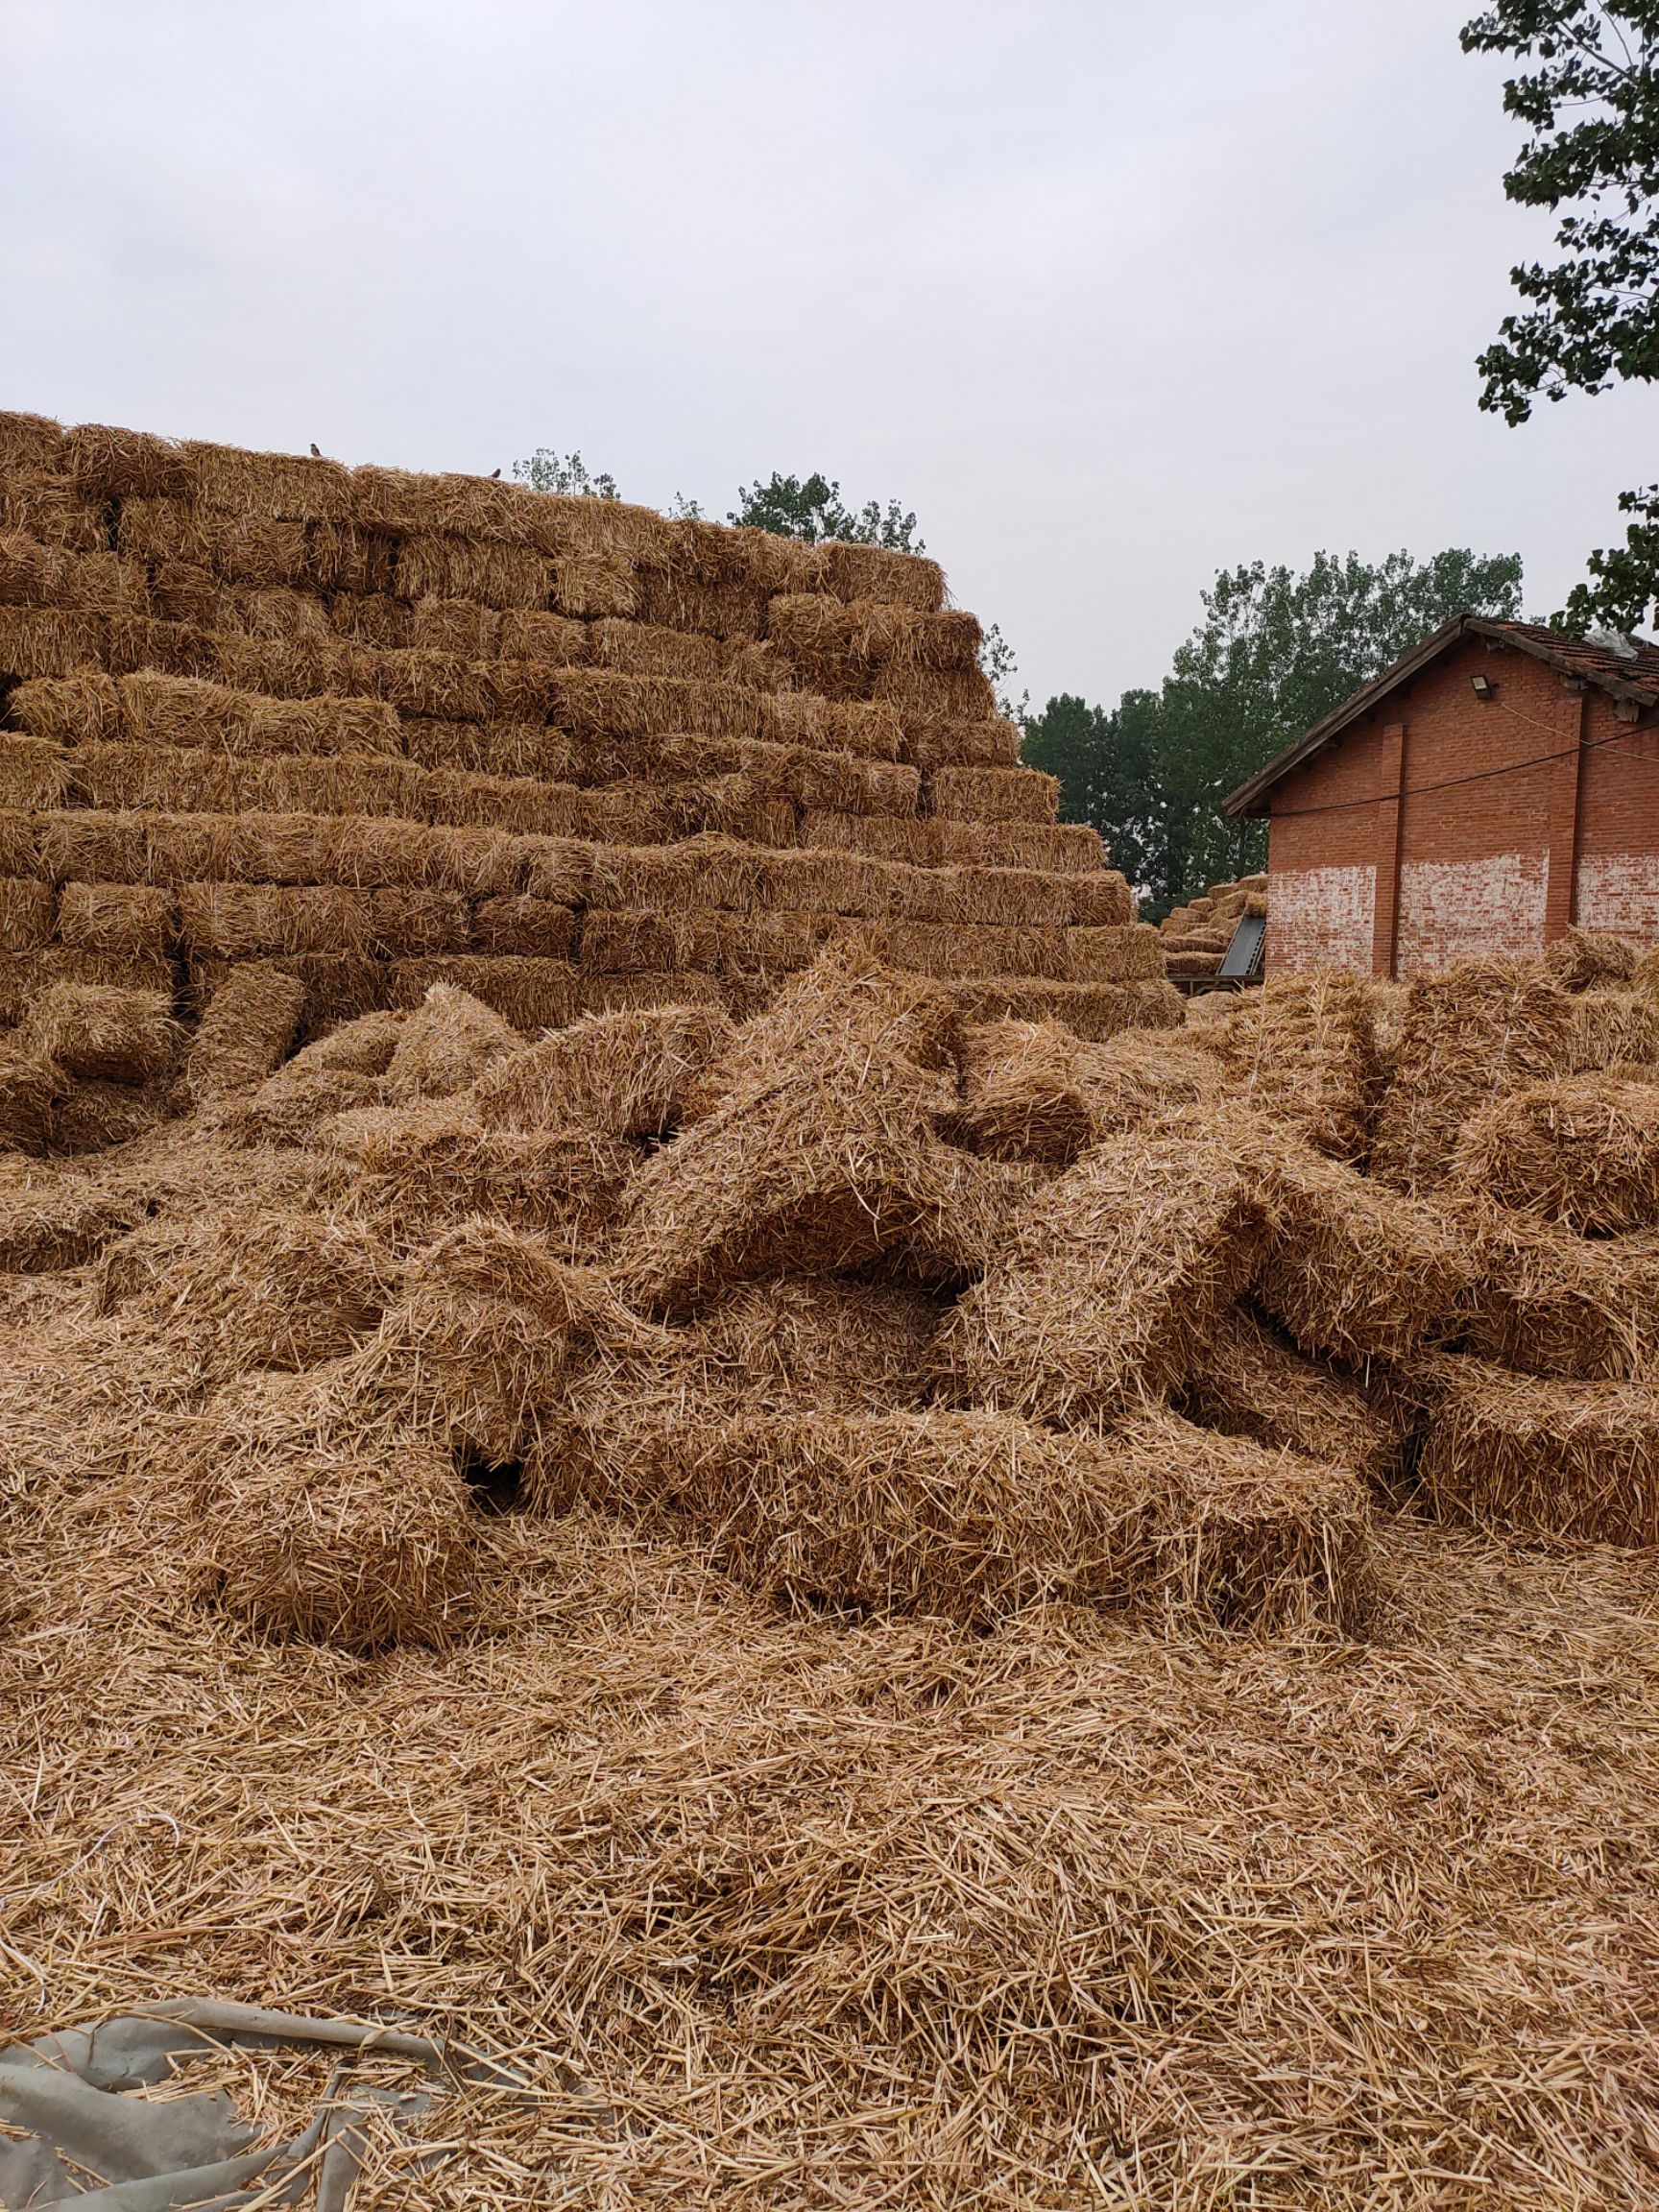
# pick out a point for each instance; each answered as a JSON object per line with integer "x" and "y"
{"x": 1496, "y": 786}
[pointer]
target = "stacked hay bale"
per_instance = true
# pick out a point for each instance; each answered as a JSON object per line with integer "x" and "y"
{"x": 885, "y": 1307}
{"x": 1196, "y": 936}
{"x": 381, "y": 731}
{"x": 1514, "y": 1106}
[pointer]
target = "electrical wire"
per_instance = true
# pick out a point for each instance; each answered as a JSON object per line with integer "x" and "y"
{"x": 1477, "y": 776}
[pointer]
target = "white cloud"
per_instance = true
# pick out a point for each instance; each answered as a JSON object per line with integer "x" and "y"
{"x": 1111, "y": 297}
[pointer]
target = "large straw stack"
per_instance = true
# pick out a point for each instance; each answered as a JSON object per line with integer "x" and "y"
{"x": 383, "y": 730}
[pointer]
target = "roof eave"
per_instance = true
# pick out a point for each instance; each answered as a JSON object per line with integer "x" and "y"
{"x": 1250, "y": 797}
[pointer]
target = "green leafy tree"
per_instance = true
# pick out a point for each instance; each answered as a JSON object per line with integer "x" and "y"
{"x": 1588, "y": 93}
{"x": 564, "y": 472}
{"x": 812, "y": 508}
{"x": 1274, "y": 653}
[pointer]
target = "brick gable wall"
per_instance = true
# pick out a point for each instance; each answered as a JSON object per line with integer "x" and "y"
{"x": 1509, "y": 852}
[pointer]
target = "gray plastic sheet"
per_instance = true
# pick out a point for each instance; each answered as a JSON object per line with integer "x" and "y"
{"x": 71, "y": 2095}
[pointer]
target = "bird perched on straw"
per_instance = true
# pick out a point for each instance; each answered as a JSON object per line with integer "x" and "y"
{"x": 494, "y": 475}
{"x": 316, "y": 451}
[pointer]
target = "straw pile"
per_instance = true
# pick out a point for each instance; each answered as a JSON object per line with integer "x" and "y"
{"x": 880, "y": 1590}
{"x": 1196, "y": 936}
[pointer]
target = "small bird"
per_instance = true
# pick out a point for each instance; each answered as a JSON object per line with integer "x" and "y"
{"x": 316, "y": 451}
{"x": 494, "y": 475}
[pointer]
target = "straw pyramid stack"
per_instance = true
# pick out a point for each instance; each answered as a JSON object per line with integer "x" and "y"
{"x": 382, "y": 729}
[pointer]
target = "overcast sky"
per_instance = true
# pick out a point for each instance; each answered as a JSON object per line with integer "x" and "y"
{"x": 1113, "y": 295}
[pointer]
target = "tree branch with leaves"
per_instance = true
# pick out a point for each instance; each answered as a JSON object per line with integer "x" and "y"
{"x": 1588, "y": 92}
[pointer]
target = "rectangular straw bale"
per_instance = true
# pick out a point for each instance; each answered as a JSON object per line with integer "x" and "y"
{"x": 1582, "y": 1150}
{"x": 103, "y": 1032}
{"x": 821, "y": 1162}
{"x": 52, "y": 1224}
{"x": 1609, "y": 1028}
{"x": 198, "y": 779}
{"x": 1579, "y": 959}
{"x": 248, "y": 1030}
{"x": 1354, "y": 1269}
{"x": 1253, "y": 1383}
{"x": 993, "y": 795}
{"x": 255, "y": 920}
{"x": 234, "y": 848}
{"x": 113, "y": 464}
{"x": 850, "y": 785}
{"x": 1190, "y": 966}
{"x": 1550, "y": 1303}
{"x": 988, "y": 744}
{"x": 622, "y": 1074}
{"x": 45, "y": 642}
{"x": 1303, "y": 1050}
{"x": 431, "y": 1164}
{"x": 180, "y": 592}
{"x": 1471, "y": 1033}
{"x": 372, "y": 618}
{"x": 50, "y": 509}
{"x": 872, "y": 572}
{"x": 346, "y": 557}
{"x": 531, "y": 633}
{"x": 495, "y": 574}
{"x": 612, "y": 994}
{"x": 532, "y": 994}
{"x": 455, "y": 626}
{"x": 184, "y": 710}
{"x": 963, "y": 1516}
{"x": 239, "y": 549}
{"x": 19, "y": 846}
{"x": 557, "y": 868}
{"x": 1523, "y": 1455}
{"x": 407, "y": 503}
{"x": 1094, "y": 1011}
{"x": 1020, "y": 1098}
{"x": 95, "y": 848}
{"x": 859, "y": 725}
{"x": 47, "y": 576}
{"x": 336, "y": 986}
{"x": 130, "y": 920}
{"x": 26, "y": 978}
{"x": 488, "y": 748}
{"x": 442, "y": 684}
{"x": 518, "y": 804}
{"x": 706, "y": 941}
{"x": 934, "y": 840}
{"x": 647, "y": 649}
{"x": 558, "y": 526}
{"x": 290, "y": 487}
{"x": 34, "y": 774}
{"x": 935, "y": 695}
{"x": 408, "y": 922}
{"x": 272, "y": 610}
{"x": 28, "y": 914}
{"x": 539, "y": 927}
{"x": 593, "y": 586}
{"x": 670, "y": 598}
{"x": 1144, "y": 1074}
{"x": 1250, "y": 1538}
{"x": 30, "y": 1084}
{"x": 1112, "y": 1281}
{"x": 29, "y": 442}
{"x": 968, "y": 949}
{"x": 481, "y": 862}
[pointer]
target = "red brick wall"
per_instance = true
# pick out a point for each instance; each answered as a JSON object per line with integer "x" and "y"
{"x": 1500, "y": 858}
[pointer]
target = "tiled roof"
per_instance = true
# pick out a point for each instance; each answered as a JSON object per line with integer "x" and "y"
{"x": 1632, "y": 674}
